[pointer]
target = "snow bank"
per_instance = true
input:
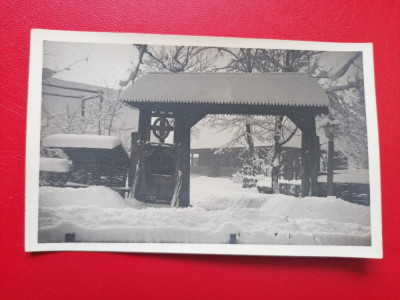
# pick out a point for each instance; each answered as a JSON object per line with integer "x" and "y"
{"x": 81, "y": 141}
{"x": 331, "y": 209}
{"x": 193, "y": 225}
{"x": 222, "y": 193}
{"x": 215, "y": 197}
{"x": 58, "y": 165}
{"x": 219, "y": 208}
{"x": 267, "y": 182}
{"x": 99, "y": 196}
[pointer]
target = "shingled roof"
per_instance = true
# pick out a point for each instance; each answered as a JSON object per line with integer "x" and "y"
{"x": 283, "y": 89}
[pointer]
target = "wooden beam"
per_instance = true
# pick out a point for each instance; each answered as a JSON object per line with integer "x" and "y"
{"x": 60, "y": 95}
{"x": 134, "y": 156}
{"x": 195, "y": 118}
{"x": 72, "y": 88}
{"x": 182, "y": 140}
{"x": 309, "y": 157}
{"x": 92, "y": 97}
{"x": 144, "y": 124}
{"x": 233, "y": 109}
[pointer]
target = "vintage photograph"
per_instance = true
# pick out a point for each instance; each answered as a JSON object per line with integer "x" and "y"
{"x": 150, "y": 143}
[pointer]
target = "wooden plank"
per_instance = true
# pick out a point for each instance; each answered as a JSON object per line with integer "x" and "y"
{"x": 72, "y": 88}
{"x": 182, "y": 140}
{"x": 134, "y": 156}
{"x": 144, "y": 124}
{"x": 178, "y": 186}
{"x": 80, "y": 185}
{"x": 241, "y": 109}
{"x": 135, "y": 183}
{"x": 309, "y": 156}
{"x": 60, "y": 95}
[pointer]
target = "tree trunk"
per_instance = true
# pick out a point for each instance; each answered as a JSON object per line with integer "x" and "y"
{"x": 277, "y": 155}
{"x": 249, "y": 140}
{"x": 329, "y": 181}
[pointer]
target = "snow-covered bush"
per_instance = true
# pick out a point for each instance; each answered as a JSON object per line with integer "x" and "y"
{"x": 264, "y": 185}
{"x": 249, "y": 181}
{"x": 237, "y": 177}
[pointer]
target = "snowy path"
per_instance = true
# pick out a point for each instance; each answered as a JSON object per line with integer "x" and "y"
{"x": 220, "y": 208}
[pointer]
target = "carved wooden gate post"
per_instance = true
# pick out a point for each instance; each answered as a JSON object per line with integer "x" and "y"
{"x": 182, "y": 140}
{"x": 309, "y": 157}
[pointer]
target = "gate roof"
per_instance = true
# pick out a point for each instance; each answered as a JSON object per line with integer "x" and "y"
{"x": 273, "y": 89}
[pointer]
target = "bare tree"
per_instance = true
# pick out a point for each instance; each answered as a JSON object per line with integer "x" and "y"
{"x": 178, "y": 59}
{"x": 345, "y": 94}
{"x": 48, "y": 73}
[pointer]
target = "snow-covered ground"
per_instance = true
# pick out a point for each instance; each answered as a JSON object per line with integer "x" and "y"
{"x": 219, "y": 208}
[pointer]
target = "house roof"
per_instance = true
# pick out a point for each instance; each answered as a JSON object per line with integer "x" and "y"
{"x": 54, "y": 88}
{"x": 284, "y": 89}
{"x": 81, "y": 141}
{"x": 85, "y": 147}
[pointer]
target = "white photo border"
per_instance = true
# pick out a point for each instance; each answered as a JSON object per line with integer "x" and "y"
{"x": 38, "y": 36}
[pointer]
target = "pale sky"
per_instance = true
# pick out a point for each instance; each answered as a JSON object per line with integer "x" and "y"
{"x": 110, "y": 63}
{"x": 107, "y": 63}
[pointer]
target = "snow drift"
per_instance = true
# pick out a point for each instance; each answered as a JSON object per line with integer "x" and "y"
{"x": 219, "y": 208}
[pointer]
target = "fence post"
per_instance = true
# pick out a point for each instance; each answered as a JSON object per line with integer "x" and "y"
{"x": 232, "y": 239}
{"x": 70, "y": 237}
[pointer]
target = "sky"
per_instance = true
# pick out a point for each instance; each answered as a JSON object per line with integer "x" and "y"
{"x": 106, "y": 66}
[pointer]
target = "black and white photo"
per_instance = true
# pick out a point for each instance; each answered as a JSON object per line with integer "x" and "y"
{"x": 175, "y": 144}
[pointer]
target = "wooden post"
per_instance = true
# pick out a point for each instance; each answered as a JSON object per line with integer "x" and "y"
{"x": 144, "y": 125}
{"x": 138, "y": 184}
{"x": 232, "y": 239}
{"x": 184, "y": 199}
{"x": 329, "y": 181}
{"x": 305, "y": 164}
{"x": 315, "y": 156}
{"x": 182, "y": 140}
{"x": 70, "y": 238}
{"x": 175, "y": 196}
{"x": 134, "y": 156}
{"x": 277, "y": 155}
{"x": 216, "y": 171}
{"x": 83, "y": 108}
{"x": 309, "y": 157}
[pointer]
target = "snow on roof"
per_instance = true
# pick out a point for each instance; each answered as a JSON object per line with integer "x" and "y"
{"x": 289, "y": 89}
{"x": 58, "y": 165}
{"x": 81, "y": 141}
{"x": 71, "y": 88}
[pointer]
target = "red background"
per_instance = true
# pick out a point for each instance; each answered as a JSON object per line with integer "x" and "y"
{"x": 149, "y": 276}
